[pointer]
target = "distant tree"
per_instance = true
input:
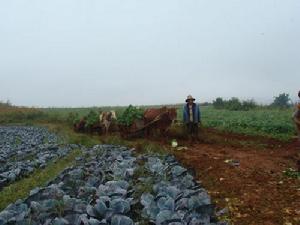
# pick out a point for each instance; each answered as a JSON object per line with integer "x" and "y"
{"x": 248, "y": 105}
{"x": 282, "y": 101}
{"x": 234, "y": 104}
{"x": 219, "y": 103}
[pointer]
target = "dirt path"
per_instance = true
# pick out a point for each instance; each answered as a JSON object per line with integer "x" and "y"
{"x": 256, "y": 191}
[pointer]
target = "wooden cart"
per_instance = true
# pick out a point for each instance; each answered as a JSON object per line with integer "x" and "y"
{"x": 139, "y": 127}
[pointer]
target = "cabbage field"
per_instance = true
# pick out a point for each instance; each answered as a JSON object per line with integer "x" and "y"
{"x": 24, "y": 149}
{"x": 107, "y": 185}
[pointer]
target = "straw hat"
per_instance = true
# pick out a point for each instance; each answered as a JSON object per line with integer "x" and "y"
{"x": 190, "y": 98}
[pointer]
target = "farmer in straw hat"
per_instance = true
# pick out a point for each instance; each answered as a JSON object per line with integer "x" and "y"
{"x": 191, "y": 116}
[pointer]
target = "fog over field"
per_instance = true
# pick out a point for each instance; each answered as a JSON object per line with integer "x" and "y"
{"x": 84, "y": 53}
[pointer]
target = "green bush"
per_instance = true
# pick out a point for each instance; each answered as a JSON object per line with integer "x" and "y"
{"x": 233, "y": 104}
{"x": 219, "y": 103}
{"x": 92, "y": 119}
{"x": 248, "y": 105}
{"x": 130, "y": 114}
{"x": 73, "y": 118}
{"x": 282, "y": 101}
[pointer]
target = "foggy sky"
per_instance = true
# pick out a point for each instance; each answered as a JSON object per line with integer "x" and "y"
{"x": 95, "y": 52}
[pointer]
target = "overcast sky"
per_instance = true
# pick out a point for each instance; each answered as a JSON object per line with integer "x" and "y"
{"x": 96, "y": 52}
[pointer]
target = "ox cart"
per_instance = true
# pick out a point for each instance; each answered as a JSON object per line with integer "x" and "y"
{"x": 144, "y": 127}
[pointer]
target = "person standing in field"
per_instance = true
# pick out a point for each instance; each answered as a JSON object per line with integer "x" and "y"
{"x": 191, "y": 117}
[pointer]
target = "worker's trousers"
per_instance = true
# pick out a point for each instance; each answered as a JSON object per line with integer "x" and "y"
{"x": 192, "y": 129}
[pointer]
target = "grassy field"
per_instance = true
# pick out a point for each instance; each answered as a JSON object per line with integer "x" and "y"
{"x": 16, "y": 114}
{"x": 273, "y": 123}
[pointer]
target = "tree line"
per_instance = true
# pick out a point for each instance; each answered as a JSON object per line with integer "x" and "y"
{"x": 281, "y": 101}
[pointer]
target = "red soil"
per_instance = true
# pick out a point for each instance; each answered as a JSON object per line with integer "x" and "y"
{"x": 256, "y": 191}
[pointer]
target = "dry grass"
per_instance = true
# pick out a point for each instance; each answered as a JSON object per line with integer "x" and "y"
{"x": 19, "y": 114}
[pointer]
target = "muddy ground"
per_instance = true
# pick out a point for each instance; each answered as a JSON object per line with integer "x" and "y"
{"x": 255, "y": 191}
{"x": 251, "y": 191}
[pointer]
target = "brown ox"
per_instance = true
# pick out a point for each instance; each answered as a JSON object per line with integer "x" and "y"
{"x": 106, "y": 119}
{"x": 159, "y": 119}
{"x": 80, "y": 126}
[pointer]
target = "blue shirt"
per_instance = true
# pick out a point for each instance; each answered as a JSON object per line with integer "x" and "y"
{"x": 196, "y": 113}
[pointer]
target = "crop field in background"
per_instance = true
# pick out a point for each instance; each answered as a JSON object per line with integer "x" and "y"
{"x": 273, "y": 123}
{"x": 263, "y": 121}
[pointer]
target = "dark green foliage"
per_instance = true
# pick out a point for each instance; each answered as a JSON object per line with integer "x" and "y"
{"x": 73, "y": 118}
{"x": 282, "y": 101}
{"x": 130, "y": 114}
{"x": 234, "y": 104}
{"x": 219, "y": 103}
{"x": 248, "y": 104}
{"x": 92, "y": 119}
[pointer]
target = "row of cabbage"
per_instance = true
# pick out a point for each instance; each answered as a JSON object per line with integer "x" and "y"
{"x": 24, "y": 149}
{"x": 104, "y": 187}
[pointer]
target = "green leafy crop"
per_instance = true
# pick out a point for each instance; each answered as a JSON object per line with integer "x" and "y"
{"x": 91, "y": 119}
{"x": 130, "y": 114}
